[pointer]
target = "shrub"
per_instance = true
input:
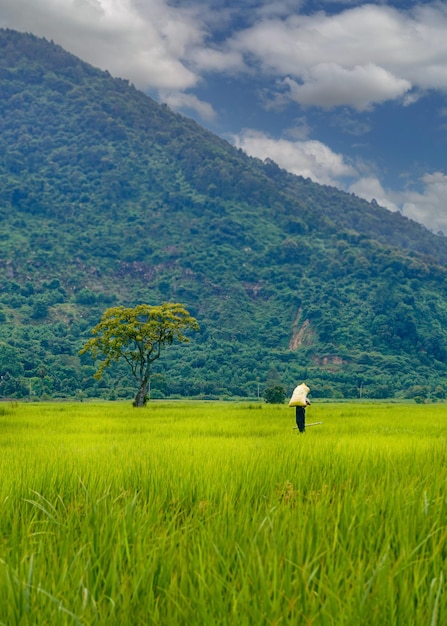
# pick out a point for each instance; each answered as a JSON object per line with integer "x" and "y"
{"x": 275, "y": 394}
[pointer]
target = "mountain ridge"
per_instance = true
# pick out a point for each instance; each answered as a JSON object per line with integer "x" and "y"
{"x": 107, "y": 197}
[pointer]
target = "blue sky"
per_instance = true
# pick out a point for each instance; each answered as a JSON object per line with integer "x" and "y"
{"x": 351, "y": 94}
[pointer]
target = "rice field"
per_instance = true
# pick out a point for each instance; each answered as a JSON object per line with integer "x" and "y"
{"x": 221, "y": 513}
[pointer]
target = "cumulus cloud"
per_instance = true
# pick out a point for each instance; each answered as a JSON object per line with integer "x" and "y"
{"x": 210, "y": 59}
{"x": 426, "y": 206}
{"x": 329, "y": 85}
{"x": 182, "y": 100}
{"x": 315, "y": 160}
{"x": 370, "y": 188}
{"x": 429, "y": 205}
{"x": 359, "y": 57}
{"x": 145, "y": 42}
{"x": 311, "y": 159}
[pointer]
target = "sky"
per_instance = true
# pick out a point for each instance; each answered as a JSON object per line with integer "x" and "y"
{"x": 348, "y": 93}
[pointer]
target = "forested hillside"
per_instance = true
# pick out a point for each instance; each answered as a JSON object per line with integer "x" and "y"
{"x": 108, "y": 198}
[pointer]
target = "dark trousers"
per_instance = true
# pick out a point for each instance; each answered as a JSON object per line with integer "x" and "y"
{"x": 301, "y": 418}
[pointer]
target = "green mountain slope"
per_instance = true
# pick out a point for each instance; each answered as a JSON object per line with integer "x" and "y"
{"x": 108, "y": 198}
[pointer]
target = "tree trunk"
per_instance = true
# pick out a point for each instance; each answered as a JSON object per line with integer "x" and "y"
{"x": 141, "y": 397}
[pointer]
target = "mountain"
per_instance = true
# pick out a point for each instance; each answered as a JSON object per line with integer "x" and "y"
{"x": 108, "y": 198}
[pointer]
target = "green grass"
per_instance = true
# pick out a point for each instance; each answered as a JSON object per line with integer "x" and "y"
{"x": 219, "y": 513}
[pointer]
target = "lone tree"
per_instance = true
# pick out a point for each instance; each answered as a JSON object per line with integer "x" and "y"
{"x": 138, "y": 335}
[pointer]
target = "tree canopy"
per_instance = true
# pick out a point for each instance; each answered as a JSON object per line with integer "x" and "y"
{"x": 275, "y": 394}
{"x": 138, "y": 335}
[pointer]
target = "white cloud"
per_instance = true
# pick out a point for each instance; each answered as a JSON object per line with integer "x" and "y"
{"x": 329, "y": 85}
{"x": 146, "y": 42}
{"x": 358, "y": 57}
{"x": 369, "y": 188}
{"x": 428, "y": 206}
{"x": 311, "y": 159}
{"x": 314, "y": 160}
{"x": 181, "y": 100}
{"x": 211, "y": 59}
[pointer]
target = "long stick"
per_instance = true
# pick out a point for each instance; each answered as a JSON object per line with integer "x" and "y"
{"x": 313, "y": 424}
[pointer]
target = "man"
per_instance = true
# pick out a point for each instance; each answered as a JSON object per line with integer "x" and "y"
{"x": 300, "y": 401}
{"x": 300, "y": 415}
